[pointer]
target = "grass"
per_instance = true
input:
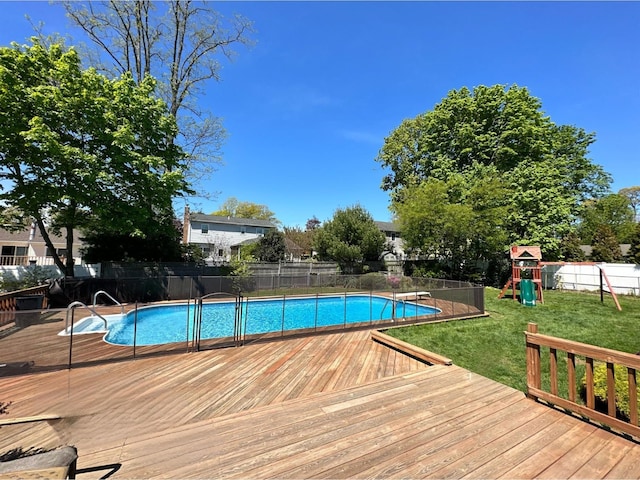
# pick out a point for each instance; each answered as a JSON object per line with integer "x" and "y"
{"x": 495, "y": 346}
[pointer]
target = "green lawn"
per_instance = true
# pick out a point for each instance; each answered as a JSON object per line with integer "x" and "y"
{"x": 495, "y": 347}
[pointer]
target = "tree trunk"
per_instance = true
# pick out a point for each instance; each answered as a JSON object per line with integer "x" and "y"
{"x": 56, "y": 258}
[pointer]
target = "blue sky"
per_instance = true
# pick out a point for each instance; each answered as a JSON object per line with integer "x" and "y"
{"x": 307, "y": 108}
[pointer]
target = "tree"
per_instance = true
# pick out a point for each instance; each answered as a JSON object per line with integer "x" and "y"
{"x": 633, "y": 194}
{"x": 232, "y": 207}
{"x": 634, "y": 251}
{"x": 179, "y": 42}
{"x": 79, "y": 151}
{"x": 302, "y": 238}
{"x": 570, "y": 250}
{"x": 605, "y": 246}
{"x": 544, "y": 166}
{"x": 271, "y": 247}
{"x": 312, "y": 224}
{"x": 455, "y": 223}
{"x": 613, "y": 210}
{"x": 349, "y": 238}
{"x": 153, "y": 247}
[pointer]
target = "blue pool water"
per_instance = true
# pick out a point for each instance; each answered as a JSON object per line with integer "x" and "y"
{"x": 174, "y": 323}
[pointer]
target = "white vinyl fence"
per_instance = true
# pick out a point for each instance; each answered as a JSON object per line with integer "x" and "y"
{"x": 624, "y": 277}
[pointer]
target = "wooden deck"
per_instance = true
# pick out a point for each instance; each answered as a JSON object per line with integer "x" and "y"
{"x": 327, "y": 406}
{"x": 40, "y": 345}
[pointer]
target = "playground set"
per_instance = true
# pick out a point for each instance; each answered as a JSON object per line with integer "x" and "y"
{"x": 526, "y": 275}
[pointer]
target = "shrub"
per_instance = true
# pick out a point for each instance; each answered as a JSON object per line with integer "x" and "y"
{"x": 31, "y": 276}
{"x": 600, "y": 388}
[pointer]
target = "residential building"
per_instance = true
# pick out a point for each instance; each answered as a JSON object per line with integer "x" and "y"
{"x": 222, "y": 238}
{"x": 27, "y": 247}
{"x": 393, "y": 240}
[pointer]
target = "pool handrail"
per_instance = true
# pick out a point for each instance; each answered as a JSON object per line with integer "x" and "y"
{"x": 75, "y": 304}
{"x": 102, "y": 292}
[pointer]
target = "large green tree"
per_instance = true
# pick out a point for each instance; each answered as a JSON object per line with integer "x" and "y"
{"x": 350, "y": 238}
{"x": 78, "y": 150}
{"x": 182, "y": 44}
{"x": 232, "y": 207}
{"x": 633, "y": 195}
{"x": 543, "y": 166}
{"x": 613, "y": 210}
{"x": 605, "y": 246}
{"x": 457, "y": 223}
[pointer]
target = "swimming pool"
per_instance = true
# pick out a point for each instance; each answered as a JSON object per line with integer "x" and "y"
{"x": 161, "y": 324}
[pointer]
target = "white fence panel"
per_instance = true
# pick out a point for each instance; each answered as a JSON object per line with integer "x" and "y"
{"x": 624, "y": 277}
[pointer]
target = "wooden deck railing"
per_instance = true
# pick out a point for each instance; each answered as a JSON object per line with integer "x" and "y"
{"x": 8, "y": 302}
{"x": 590, "y": 353}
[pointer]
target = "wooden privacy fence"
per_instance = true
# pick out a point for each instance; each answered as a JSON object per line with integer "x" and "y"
{"x": 591, "y": 354}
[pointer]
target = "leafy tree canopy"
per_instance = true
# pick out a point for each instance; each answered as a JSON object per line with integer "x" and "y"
{"x": 312, "y": 224}
{"x": 570, "y": 250}
{"x": 232, "y": 207}
{"x": 181, "y": 43}
{"x": 271, "y": 247}
{"x": 634, "y": 251}
{"x": 502, "y": 132}
{"x": 302, "y": 238}
{"x": 457, "y": 223}
{"x": 613, "y": 210}
{"x": 633, "y": 195}
{"x": 605, "y": 246}
{"x": 78, "y": 150}
{"x": 349, "y": 238}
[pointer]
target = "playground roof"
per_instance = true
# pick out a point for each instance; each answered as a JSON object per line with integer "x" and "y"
{"x": 524, "y": 252}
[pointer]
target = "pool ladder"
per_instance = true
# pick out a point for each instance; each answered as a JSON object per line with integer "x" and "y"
{"x": 73, "y": 305}
{"x": 70, "y": 309}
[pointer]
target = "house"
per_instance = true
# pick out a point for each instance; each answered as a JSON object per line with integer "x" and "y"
{"x": 221, "y": 238}
{"x": 27, "y": 247}
{"x": 393, "y": 240}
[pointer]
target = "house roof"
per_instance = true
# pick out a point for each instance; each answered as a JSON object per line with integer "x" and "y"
{"x": 525, "y": 252}
{"x": 23, "y": 236}
{"x": 252, "y": 222}
{"x": 625, "y": 248}
{"x": 387, "y": 226}
{"x": 291, "y": 246}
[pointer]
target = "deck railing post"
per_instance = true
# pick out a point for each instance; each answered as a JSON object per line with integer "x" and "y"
{"x": 533, "y": 360}
{"x": 611, "y": 390}
{"x": 633, "y": 396}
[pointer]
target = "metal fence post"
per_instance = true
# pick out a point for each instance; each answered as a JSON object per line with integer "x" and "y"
{"x": 135, "y": 329}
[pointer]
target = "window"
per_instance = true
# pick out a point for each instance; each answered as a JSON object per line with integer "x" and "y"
{"x": 393, "y": 236}
{"x": 243, "y": 229}
{"x": 62, "y": 252}
{"x": 220, "y": 253}
{"x": 260, "y": 230}
{"x": 204, "y": 228}
{"x": 8, "y": 252}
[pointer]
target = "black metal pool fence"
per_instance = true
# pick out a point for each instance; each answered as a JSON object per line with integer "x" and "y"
{"x": 166, "y": 288}
{"x": 20, "y": 343}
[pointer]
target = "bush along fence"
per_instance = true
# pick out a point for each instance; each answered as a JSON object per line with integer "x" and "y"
{"x": 59, "y": 339}
{"x": 607, "y": 392}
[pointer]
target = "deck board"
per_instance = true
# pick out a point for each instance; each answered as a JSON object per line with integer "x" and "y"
{"x": 326, "y": 406}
